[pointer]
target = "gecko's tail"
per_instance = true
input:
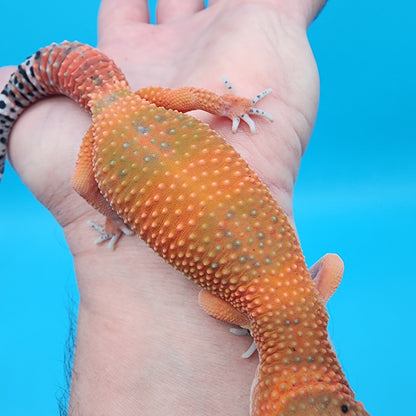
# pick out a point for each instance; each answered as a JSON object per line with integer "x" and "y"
{"x": 24, "y": 87}
{"x": 19, "y": 92}
{"x": 68, "y": 68}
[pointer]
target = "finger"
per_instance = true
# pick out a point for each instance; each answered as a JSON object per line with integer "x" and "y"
{"x": 118, "y": 13}
{"x": 170, "y": 10}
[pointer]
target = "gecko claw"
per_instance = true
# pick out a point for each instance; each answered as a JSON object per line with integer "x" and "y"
{"x": 246, "y": 108}
{"x": 256, "y": 111}
{"x": 242, "y": 332}
{"x": 236, "y": 123}
{"x": 245, "y": 117}
{"x": 228, "y": 84}
{"x": 251, "y": 350}
{"x": 262, "y": 113}
{"x": 261, "y": 95}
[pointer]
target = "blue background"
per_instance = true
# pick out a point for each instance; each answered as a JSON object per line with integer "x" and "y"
{"x": 356, "y": 195}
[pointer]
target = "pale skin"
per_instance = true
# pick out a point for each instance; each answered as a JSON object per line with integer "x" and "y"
{"x": 144, "y": 346}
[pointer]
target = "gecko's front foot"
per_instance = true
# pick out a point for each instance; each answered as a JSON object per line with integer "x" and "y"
{"x": 241, "y": 108}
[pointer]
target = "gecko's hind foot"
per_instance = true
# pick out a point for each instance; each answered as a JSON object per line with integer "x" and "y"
{"x": 110, "y": 233}
{"x": 242, "y": 332}
{"x": 242, "y": 108}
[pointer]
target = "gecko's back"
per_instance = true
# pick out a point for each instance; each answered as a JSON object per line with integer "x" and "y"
{"x": 195, "y": 201}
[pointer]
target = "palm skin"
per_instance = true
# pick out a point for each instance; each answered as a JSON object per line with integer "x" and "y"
{"x": 144, "y": 346}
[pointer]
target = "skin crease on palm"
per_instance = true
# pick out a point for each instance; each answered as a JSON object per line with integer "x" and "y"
{"x": 144, "y": 346}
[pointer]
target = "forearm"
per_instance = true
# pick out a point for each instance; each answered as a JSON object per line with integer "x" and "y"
{"x": 144, "y": 346}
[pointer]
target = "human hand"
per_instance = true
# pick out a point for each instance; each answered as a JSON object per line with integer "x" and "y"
{"x": 143, "y": 344}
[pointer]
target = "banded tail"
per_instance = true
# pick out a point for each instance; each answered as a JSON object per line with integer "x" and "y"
{"x": 73, "y": 69}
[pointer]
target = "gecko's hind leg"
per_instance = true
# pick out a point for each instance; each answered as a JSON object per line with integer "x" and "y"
{"x": 83, "y": 181}
{"x": 222, "y": 310}
{"x": 327, "y": 274}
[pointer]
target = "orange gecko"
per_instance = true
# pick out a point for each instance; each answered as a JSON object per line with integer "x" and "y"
{"x": 177, "y": 184}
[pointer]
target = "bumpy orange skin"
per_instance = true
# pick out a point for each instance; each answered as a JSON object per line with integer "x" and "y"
{"x": 195, "y": 201}
{"x": 186, "y": 192}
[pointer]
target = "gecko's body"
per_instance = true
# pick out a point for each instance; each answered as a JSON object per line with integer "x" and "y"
{"x": 190, "y": 196}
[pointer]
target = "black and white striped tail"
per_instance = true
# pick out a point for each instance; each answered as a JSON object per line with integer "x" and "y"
{"x": 22, "y": 90}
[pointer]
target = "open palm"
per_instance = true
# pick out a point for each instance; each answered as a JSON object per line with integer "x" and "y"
{"x": 143, "y": 344}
